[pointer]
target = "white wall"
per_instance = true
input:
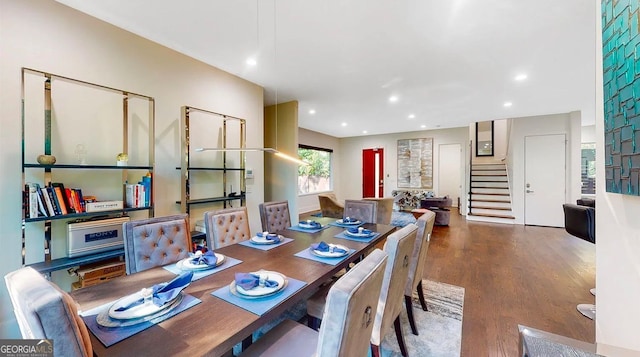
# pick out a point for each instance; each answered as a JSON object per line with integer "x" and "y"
{"x": 568, "y": 124}
{"x": 350, "y": 160}
{"x": 48, "y": 36}
{"x": 618, "y": 244}
{"x": 589, "y": 134}
{"x": 308, "y": 203}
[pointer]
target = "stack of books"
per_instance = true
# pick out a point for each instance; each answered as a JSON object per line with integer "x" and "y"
{"x": 53, "y": 200}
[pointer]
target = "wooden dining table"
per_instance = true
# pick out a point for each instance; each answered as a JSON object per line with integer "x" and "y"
{"x": 214, "y": 326}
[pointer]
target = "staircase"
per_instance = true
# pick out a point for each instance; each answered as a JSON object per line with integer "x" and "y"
{"x": 489, "y": 195}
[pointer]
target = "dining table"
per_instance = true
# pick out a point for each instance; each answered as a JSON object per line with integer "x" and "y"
{"x": 213, "y": 326}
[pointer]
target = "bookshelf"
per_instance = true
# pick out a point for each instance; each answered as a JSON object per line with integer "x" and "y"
{"x": 85, "y": 126}
{"x": 211, "y": 178}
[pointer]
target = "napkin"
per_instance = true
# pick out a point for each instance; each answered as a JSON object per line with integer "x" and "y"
{"x": 269, "y": 236}
{"x": 349, "y": 220}
{"x": 249, "y": 281}
{"x": 164, "y": 292}
{"x": 357, "y": 230}
{"x": 208, "y": 258}
{"x": 311, "y": 224}
{"x": 324, "y": 247}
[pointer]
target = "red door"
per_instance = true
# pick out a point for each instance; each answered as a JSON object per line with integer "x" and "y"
{"x": 373, "y": 172}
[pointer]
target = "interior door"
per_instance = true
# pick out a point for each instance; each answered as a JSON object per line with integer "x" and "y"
{"x": 545, "y": 180}
{"x": 373, "y": 172}
{"x": 449, "y": 171}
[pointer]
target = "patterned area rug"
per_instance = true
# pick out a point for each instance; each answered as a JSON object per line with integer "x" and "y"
{"x": 440, "y": 328}
{"x": 401, "y": 219}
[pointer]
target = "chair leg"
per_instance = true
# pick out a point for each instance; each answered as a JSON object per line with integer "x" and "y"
{"x": 375, "y": 351}
{"x": 313, "y": 322}
{"x": 409, "y": 305}
{"x": 398, "y": 328}
{"x": 423, "y": 302}
{"x": 247, "y": 342}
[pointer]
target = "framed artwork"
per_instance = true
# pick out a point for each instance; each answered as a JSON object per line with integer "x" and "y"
{"x": 415, "y": 163}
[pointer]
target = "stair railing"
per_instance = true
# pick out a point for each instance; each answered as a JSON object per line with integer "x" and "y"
{"x": 470, "y": 174}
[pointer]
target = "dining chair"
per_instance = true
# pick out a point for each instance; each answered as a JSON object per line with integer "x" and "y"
{"x": 416, "y": 266}
{"x": 43, "y": 311}
{"x": 348, "y": 318}
{"x": 226, "y": 227}
{"x": 362, "y": 210}
{"x": 330, "y": 206}
{"x": 385, "y": 209}
{"x": 153, "y": 242}
{"x": 399, "y": 247}
{"x": 274, "y": 216}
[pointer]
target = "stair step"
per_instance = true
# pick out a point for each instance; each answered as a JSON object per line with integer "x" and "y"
{"x": 489, "y": 194}
{"x": 491, "y": 215}
{"x": 492, "y": 207}
{"x": 485, "y": 174}
{"x": 496, "y": 187}
{"x": 489, "y": 200}
{"x": 491, "y": 181}
{"x": 489, "y": 169}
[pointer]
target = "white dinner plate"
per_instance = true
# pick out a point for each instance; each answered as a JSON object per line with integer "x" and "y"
{"x": 136, "y": 312}
{"x": 340, "y": 221}
{"x": 186, "y": 264}
{"x": 260, "y": 291}
{"x": 262, "y": 240}
{"x": 305, "y": 225}
{"x": 359, "y": 235}
{"x": 330, "y": 254}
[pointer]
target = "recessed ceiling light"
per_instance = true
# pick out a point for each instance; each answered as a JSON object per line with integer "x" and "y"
{"x": 393, "y": 98}
{"x": 364, "y": 132}
{"x": 312, "y": 111}
{"x": 521, "y": 77}
{"x": 412, "y": 116}
{"x": 252, "y": 61}
{"x": 344, "y": 124}
{"x": 423, "y": 126}
{"x": 507, "y": 104}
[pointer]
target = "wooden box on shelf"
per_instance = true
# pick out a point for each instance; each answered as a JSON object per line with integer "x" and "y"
{"x": 98, "y": 273}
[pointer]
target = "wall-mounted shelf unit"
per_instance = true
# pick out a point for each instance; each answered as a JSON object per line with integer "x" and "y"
{"x": 224, "y": 174}
{"x": 85, "y": 126}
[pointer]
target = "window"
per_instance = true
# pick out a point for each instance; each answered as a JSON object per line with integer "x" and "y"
{"x": 315, "y": 177}
{"x": 588, "y": 168}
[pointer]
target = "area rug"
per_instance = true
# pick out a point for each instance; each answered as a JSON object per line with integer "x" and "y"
{"x": 440, "y": 328}
{"x": 401, "y": 219}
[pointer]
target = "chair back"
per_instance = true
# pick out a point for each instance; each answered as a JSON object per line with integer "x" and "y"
{"x": 385, "y": 209}
{"x": 330, "y": 206}
{"x": 44, "y": 311}
{"x": 399, "y": 247}
{"x": 226, "y": 227}
{"x": 153, "y": 242}
{"x": 275, "y": 216}
{"x": 363, "y": 210}
{"x": 351, "y": 307}
{"x": 580, "y": 221}
{"x": 416, "y": 267}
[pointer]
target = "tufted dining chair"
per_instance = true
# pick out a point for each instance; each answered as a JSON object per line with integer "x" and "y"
{"x": 226, "y": 227}
{"x": 153, "y": 242}
{"x": 275, "y": 216}
{"x": 385, "y": 209}
{"x": 348, "y": 318}
{"x": 44, "y": 311}
{"x": 416, "y": 267}
{"x": 363, "y": 210}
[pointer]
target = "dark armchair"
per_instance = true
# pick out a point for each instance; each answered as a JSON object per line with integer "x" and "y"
{"x": 580, "y": 221}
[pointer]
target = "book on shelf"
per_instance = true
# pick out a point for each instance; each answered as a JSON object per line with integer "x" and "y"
{"x": 138, "y": 195}
{"x": 60, "y": 199}
{"x": 100, "y": 206}
{"x": 54, "y": 201}
{"x": 47, "y": 201}
{"x": 32, "y": 200}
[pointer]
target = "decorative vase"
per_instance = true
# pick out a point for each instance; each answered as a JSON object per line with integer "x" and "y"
{"x": 46, "y": 159}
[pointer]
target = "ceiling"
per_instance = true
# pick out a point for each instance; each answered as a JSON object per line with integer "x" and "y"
{"x": 449, "y": 63}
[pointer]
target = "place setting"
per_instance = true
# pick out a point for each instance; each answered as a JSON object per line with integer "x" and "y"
{"x": 266, "y": 241}
{"x": 115, "y": 321}
{"x": 347, "y": 222}
{"x": 259, "y": 291}
{"x": 359, "y": 234}
{"x": 327, "y": 253}
{"x": 202, "y": 264}
{"x": 308, "y": 226}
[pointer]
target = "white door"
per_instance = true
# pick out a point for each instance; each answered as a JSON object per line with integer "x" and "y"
{"x": 449, "y": 171}
{"x": 545, "y": 180}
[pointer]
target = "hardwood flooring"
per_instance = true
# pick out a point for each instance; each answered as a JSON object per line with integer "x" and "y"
{"x": 513, "y": 274}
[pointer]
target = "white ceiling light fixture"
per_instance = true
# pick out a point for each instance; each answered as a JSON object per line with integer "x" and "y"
{"x": 423, "y": 126}
{"x": 344, "y": 124}
{"x": 251, "y": 61}
{"x": 521, "y": 77}
{"x": 412, "y": 116}
{"x": 507, "y": 104}
{"x": 364, "y": 132}
{"x": 393, "y": 98}
{"x": 312, "y": 111}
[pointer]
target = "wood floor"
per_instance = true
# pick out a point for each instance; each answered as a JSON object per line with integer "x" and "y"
{"x": 513, "y": 274}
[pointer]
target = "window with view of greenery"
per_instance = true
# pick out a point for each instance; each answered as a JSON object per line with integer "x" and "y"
{"x": 315, "y": 177}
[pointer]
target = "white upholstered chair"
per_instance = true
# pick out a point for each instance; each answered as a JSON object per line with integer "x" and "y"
{"x": 385, "y": 209}
{"x": 348, "y": 318}
{"x": 416, "y": 266}
{"x": 153, "y": 242}
{"x": 362, "y": 210}
{"x": 226, "y": 227}
{"x": 275, "y": 216}
{"x": 44, "y": 311}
